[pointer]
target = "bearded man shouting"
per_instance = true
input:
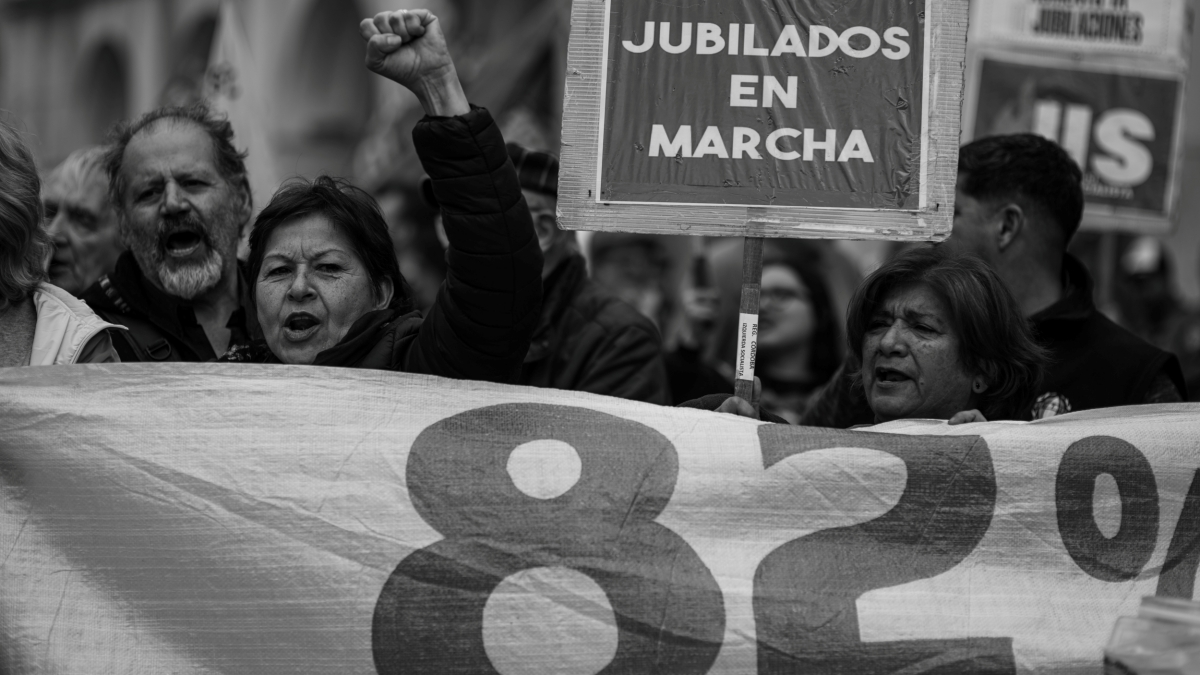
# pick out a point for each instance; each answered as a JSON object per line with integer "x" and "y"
{"x": 182, "y": 198}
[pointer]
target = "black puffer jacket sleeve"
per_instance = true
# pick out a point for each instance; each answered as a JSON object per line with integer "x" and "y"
{"x": 487, "y": 310}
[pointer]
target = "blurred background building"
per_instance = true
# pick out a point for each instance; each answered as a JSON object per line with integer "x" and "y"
{"x": 69, "y": 69}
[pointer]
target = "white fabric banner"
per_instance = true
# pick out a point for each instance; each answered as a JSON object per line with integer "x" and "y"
{"x": 276, "y": 519}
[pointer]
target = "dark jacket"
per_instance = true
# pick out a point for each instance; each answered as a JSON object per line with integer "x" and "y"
{"x": 588, "y": 340}
{"x": 1094, "y": 363}
{"x": 161, "y": 327}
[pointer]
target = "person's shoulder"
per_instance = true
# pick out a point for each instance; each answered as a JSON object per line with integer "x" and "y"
{"x": 609, "y": 313}
{"x": 97, "y": 299}
{"x": 112, "y": 291}
{"x": 1117, "y": 340}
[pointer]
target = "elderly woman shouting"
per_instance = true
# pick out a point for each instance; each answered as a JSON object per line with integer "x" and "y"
{"x": 937, "y": 337}
{"x": 327, "y": 288}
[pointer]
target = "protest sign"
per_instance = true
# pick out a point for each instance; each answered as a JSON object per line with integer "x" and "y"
{"x": 225, "y": 518}
{"x": 1103, "y": 79}
{"x": 815, "y": 118}
{"x": 1155, "y": 28}
{"x": 1123, "y": 127}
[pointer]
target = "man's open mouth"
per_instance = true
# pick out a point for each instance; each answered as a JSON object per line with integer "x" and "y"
{"x": 182, "y": 243}
{"x": 300, "y": 326}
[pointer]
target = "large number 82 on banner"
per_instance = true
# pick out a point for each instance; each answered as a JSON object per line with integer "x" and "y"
{"x": 667, "y": 605}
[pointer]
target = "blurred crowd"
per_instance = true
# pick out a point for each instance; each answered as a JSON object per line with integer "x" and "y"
{"x": 148, "y": 249}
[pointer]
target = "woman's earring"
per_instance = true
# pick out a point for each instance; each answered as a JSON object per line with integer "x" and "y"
{"x": 978, "y": 386}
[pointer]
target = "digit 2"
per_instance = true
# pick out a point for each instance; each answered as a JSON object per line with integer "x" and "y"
{"x": 805, "y": 590}
{"x": 429, "y": 616}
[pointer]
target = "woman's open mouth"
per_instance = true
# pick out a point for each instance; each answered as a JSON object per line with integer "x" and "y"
{"x": 299, "y": 326}
{"x": 182, "y": 243}
{"x": 889, "y": 377}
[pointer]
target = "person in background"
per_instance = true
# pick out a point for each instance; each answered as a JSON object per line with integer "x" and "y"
{"x": 327, "y": 286}
{"x": 934, "y": 336}
{"x": 689, "y": 370}
{"x": 586, "y": 338}
{"x": 81, "y": 221}
{"x": 40, "y": 324}
{"x": 415, "y": 242}
{"x": 799, "y": 344}
{"x": 181, "y": 195}
{"x": 644, "y": 270}
{"x": 1018, "y": 203}
{"x": 1142, "y": 292}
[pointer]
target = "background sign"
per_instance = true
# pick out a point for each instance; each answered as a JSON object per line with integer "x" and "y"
{"x": 1147, "y": 27}
{"x": 816, "y": 118}
{"x": 755, "y": 104}
{"x": 1104, "y": 79}
{"x": 1120, "y": 128}
{"x": 274, "y": 519}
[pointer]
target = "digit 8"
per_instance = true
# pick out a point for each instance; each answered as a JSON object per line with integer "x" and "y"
{"x": 429, "y": 616}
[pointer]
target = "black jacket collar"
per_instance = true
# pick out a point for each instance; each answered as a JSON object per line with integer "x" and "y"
{"x": 1076, "y": 303}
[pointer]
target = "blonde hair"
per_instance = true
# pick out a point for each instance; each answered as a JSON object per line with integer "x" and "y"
{"x": 24, "y": 243}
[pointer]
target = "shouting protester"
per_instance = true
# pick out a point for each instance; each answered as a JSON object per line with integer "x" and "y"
{"x": 40, "y": 324}
{"x": 1018, "y": 202}
{"x": 182, "y": 197}
{"x": 586, "y": 339}
{"x": 327, "y": 286}
{"x": 938, "y": 337}
{"x": 81, "y": 221}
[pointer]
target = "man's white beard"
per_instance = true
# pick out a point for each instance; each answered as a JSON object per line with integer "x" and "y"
{"x": 191, "y": 280}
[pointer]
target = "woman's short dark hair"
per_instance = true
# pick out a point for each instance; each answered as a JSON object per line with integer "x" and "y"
{"x": 24, "y": 243}
{"x": 349, "y": 209}
{"x": 825, "y": 354}
{"x": 995, "y": 339}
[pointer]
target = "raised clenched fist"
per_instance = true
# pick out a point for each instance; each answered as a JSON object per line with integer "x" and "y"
{"x": 408, "y": 46}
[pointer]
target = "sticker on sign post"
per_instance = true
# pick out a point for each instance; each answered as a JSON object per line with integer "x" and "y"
{"x": 747, "y": 346}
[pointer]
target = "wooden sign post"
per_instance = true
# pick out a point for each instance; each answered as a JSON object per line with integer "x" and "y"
{"x": 747, "y": 343}
{"x": 818, "y": 119}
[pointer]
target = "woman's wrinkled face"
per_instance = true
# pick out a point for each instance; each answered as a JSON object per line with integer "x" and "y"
{"x": 312, "y": 287}
{"x": 910, "y": 358}
{"x": 786, "y": 318}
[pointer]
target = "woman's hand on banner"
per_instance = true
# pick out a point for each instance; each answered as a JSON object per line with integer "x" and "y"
{"x": 966, "y": 417}
{"x": 742, "y": 408}
{"x": 407, "y": 46}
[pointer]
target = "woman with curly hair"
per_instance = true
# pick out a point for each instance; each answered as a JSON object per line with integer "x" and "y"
{"x": 40, "y": 324}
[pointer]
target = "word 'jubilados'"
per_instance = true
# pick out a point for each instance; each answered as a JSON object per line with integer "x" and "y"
{"x": 741, "y": 40}
{"x": 747, "y": 91}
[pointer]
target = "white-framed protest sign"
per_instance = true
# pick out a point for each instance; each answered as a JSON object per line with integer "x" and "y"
{"x": 723, "y": 117}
